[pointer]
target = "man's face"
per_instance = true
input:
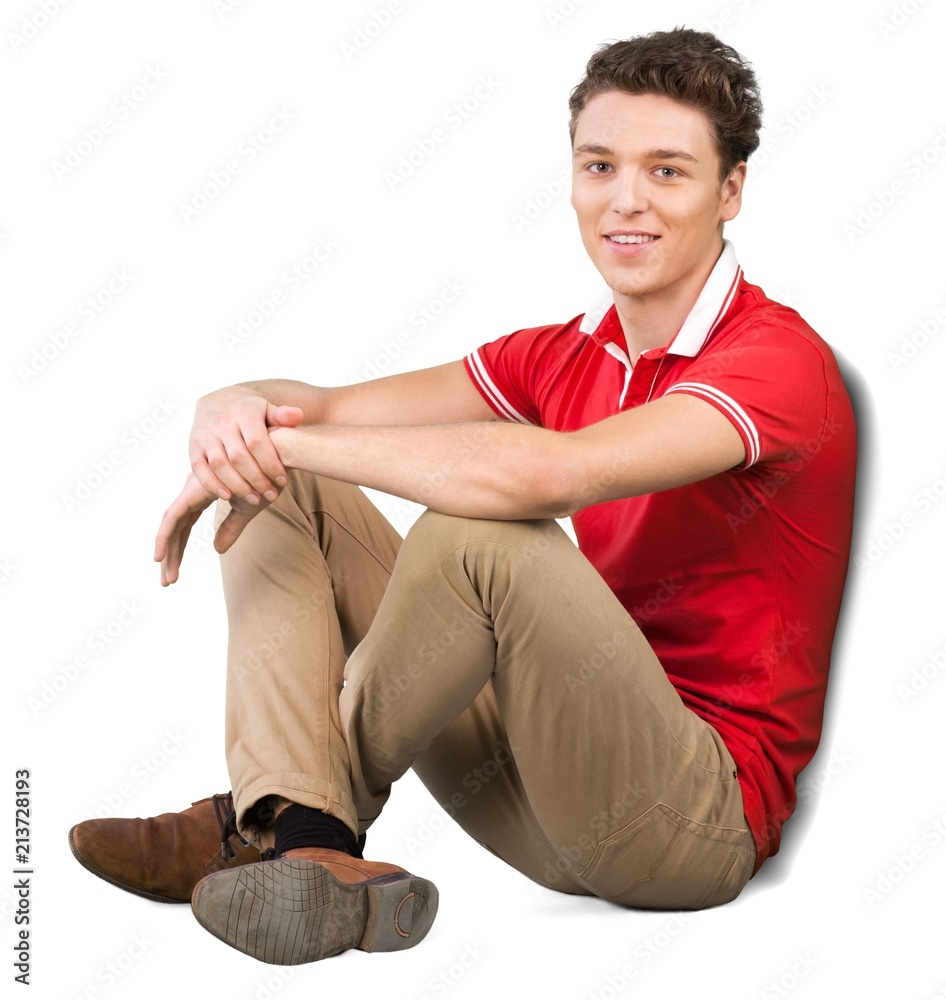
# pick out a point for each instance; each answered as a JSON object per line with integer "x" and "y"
{"x": 648, "y": 196}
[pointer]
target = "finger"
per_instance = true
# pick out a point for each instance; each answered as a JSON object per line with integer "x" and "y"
{"x": 236, "y": 485}
{"x": 230, "y": 530}
{"x": 267, "y": 460}
{"x": 161, "y": 540}
{"x": 233, "y": 463}
{"x": 240, "y": 458}
{"x": 284, "y": 416}
{"x": 205, "y": 475}
{"x": 168, "y": 550}
{"x": 175, "y": 528}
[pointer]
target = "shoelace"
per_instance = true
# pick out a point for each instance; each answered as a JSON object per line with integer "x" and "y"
{"x": 226, "y": 820}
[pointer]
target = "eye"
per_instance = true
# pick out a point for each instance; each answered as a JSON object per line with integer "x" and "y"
{"x": 598, "y": 167}
{"x": 667, "y": 173}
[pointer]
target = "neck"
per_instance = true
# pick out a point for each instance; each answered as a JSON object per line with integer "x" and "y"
{"x": 648, "y": 325}
{"x": 653, "y": 319}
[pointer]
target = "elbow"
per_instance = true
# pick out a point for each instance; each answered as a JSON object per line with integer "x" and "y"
{"x": 583, "y": 478}
{"x": 558, "y": 489}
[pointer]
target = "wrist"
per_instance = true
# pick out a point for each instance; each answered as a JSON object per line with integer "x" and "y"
{"x": 284, "y": 440}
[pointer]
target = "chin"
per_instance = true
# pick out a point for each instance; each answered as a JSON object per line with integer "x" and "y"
{"x": 642, "y": 286}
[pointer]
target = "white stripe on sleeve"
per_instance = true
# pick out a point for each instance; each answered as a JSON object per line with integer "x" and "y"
{"x": 727, "y": 403}
{"x": 499, "y": 401}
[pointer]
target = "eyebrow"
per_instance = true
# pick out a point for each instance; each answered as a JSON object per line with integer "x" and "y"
{"x": 653, "y": 154}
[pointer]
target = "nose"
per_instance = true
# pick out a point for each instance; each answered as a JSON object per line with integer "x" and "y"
{"x": 629, "y": 192}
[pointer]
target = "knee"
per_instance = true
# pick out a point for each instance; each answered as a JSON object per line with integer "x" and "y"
{"x": 437, "y": 530}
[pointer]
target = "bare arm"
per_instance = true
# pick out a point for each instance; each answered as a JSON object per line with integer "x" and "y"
{"x": 233, "y": 455}
{"x": 509, "y": 471}
{"x": 230, "y": 449}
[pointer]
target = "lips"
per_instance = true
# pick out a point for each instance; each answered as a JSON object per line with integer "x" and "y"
{"x": 632, "y": 238}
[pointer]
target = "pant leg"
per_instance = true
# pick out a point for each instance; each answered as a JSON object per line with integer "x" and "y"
{"x": 302, "y": 585}
{"x": 498, "y": 635}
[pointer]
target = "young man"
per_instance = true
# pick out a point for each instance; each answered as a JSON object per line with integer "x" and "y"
{"x": 700, "y": 437}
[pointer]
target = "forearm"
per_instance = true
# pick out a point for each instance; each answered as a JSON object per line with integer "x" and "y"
{"x": 483, "y": 469}
{"x": 509, "y": 471}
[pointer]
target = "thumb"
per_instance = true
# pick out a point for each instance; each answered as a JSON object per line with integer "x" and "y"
{"x": 283, "y": 416}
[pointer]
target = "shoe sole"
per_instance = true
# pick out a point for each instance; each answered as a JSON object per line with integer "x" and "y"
{"x": 289, "y": 912}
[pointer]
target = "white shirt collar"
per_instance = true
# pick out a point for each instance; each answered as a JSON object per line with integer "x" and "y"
{"x": 710, "y": 307}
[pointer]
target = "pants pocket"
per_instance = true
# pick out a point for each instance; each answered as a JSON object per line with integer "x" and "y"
{"x": 663, "y": 860}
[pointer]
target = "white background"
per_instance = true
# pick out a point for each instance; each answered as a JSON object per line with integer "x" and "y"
{"x": 819, "y": 920}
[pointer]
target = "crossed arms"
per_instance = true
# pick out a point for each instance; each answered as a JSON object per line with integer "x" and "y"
{"x": 429, "y": 436}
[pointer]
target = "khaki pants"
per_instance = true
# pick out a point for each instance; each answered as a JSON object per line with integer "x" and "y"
{"x": 493, "y": 659}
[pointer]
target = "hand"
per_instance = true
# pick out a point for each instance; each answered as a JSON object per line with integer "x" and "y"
{"x": 230, "y": 448}
{"x": 181, "y": 517}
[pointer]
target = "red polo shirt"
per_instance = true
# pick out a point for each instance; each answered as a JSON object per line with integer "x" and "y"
{"x": 736, "y": 580}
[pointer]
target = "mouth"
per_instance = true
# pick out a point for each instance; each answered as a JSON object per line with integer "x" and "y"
{"x": 631, "y": 245}
{"x": 624, "y": 238}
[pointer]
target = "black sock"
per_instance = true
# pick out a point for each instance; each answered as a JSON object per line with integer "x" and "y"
{"x": 300, "y": 826}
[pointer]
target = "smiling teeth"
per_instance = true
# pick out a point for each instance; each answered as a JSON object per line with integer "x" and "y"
{"x": 633, "y": 239}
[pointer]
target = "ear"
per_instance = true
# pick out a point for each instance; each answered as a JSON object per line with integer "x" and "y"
{"x": 730, "y": 195}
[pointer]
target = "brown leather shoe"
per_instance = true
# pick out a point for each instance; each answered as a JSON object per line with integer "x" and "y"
{"x": 311, "y": 903}
{"x": 165, "y": 857}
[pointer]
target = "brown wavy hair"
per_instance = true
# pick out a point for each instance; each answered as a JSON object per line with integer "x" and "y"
{"x": 692, "y": 67}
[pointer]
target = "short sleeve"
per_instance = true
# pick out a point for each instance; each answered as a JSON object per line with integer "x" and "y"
{"x": 511, "y": 372}
{"x": 772, "y": 385}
